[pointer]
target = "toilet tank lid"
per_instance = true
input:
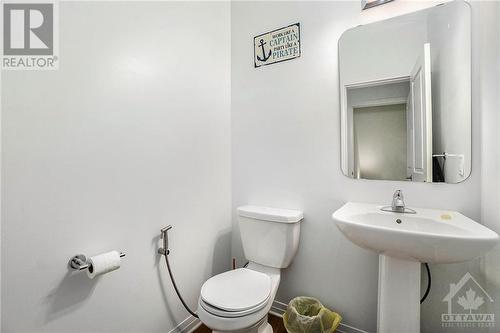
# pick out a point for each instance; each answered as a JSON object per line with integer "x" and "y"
{"x": 271, "y": 214}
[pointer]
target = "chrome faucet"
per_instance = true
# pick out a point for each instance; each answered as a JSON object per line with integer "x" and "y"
{"x": 398, "y": 204}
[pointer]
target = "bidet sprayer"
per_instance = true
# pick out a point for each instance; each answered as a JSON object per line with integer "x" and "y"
{"x": 164, "y": 236}
{"x": 165, "y": 251}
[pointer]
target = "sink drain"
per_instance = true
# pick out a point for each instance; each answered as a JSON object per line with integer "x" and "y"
{"x": 398, "y": 221}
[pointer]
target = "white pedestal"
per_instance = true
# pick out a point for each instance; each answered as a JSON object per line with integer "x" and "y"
{"x": 398, "y": 296}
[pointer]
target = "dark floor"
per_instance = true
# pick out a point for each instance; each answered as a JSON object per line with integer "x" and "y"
{"x": 276, "y": 323}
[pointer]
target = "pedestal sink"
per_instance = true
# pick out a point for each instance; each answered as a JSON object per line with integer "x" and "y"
{"x": 403, "y": 242}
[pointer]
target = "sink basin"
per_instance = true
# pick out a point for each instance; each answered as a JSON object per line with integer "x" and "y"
{"x": 403, "y": 242}
{"x": 430, "y": 235}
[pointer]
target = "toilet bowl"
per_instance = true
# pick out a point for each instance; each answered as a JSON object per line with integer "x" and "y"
{"x": 239, "y": 300}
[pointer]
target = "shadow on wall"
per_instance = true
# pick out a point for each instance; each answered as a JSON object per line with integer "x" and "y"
{"x": 69, "y": 295}
{"x": 221, "y": 258}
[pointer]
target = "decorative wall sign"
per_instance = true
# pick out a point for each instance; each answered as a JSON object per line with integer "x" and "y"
{"x": 277, "y": 45}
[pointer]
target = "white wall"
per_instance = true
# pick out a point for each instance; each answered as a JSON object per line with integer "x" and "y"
{"x": 489, "y": 84}
{"x": 286, "y": 148}
{"x": 130, "y": 134}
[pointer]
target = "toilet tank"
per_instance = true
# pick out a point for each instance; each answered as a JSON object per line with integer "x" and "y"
{"x": 270, "y": 236}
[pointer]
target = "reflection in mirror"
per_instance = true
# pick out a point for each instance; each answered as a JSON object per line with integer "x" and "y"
{"x": 406, "y": 97}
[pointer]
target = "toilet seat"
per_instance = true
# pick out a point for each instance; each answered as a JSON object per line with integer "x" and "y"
{"x": 223, "y": 321}
{"x": 231, "y": 314}
{"x": 236, "y": 293}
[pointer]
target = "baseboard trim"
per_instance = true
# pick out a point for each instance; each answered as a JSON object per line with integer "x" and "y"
{"x": 188, "y": 325}
{"x": 278, "y": 309}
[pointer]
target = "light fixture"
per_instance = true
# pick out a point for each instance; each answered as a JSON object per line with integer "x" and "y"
{"x": 366, "y": 4}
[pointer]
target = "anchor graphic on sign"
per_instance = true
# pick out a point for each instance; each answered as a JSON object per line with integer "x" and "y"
{"x": 264, "y": 58}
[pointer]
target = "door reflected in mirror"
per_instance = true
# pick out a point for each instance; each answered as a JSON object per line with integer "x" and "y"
{"x": 406, "y": 97}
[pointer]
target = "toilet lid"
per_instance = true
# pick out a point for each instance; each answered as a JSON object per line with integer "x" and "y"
{"x": 237, "y": 290}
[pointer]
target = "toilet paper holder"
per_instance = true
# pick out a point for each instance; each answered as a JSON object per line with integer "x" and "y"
{"x": 79, "y": 262}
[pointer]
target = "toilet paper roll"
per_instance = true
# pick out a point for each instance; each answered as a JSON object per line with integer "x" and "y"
{"x": 103, "y": 263}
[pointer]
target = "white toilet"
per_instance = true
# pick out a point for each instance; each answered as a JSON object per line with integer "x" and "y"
{"x": 239, "y": 300}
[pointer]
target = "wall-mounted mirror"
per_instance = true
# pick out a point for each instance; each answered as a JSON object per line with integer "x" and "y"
{"x": 405, "y": 88}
